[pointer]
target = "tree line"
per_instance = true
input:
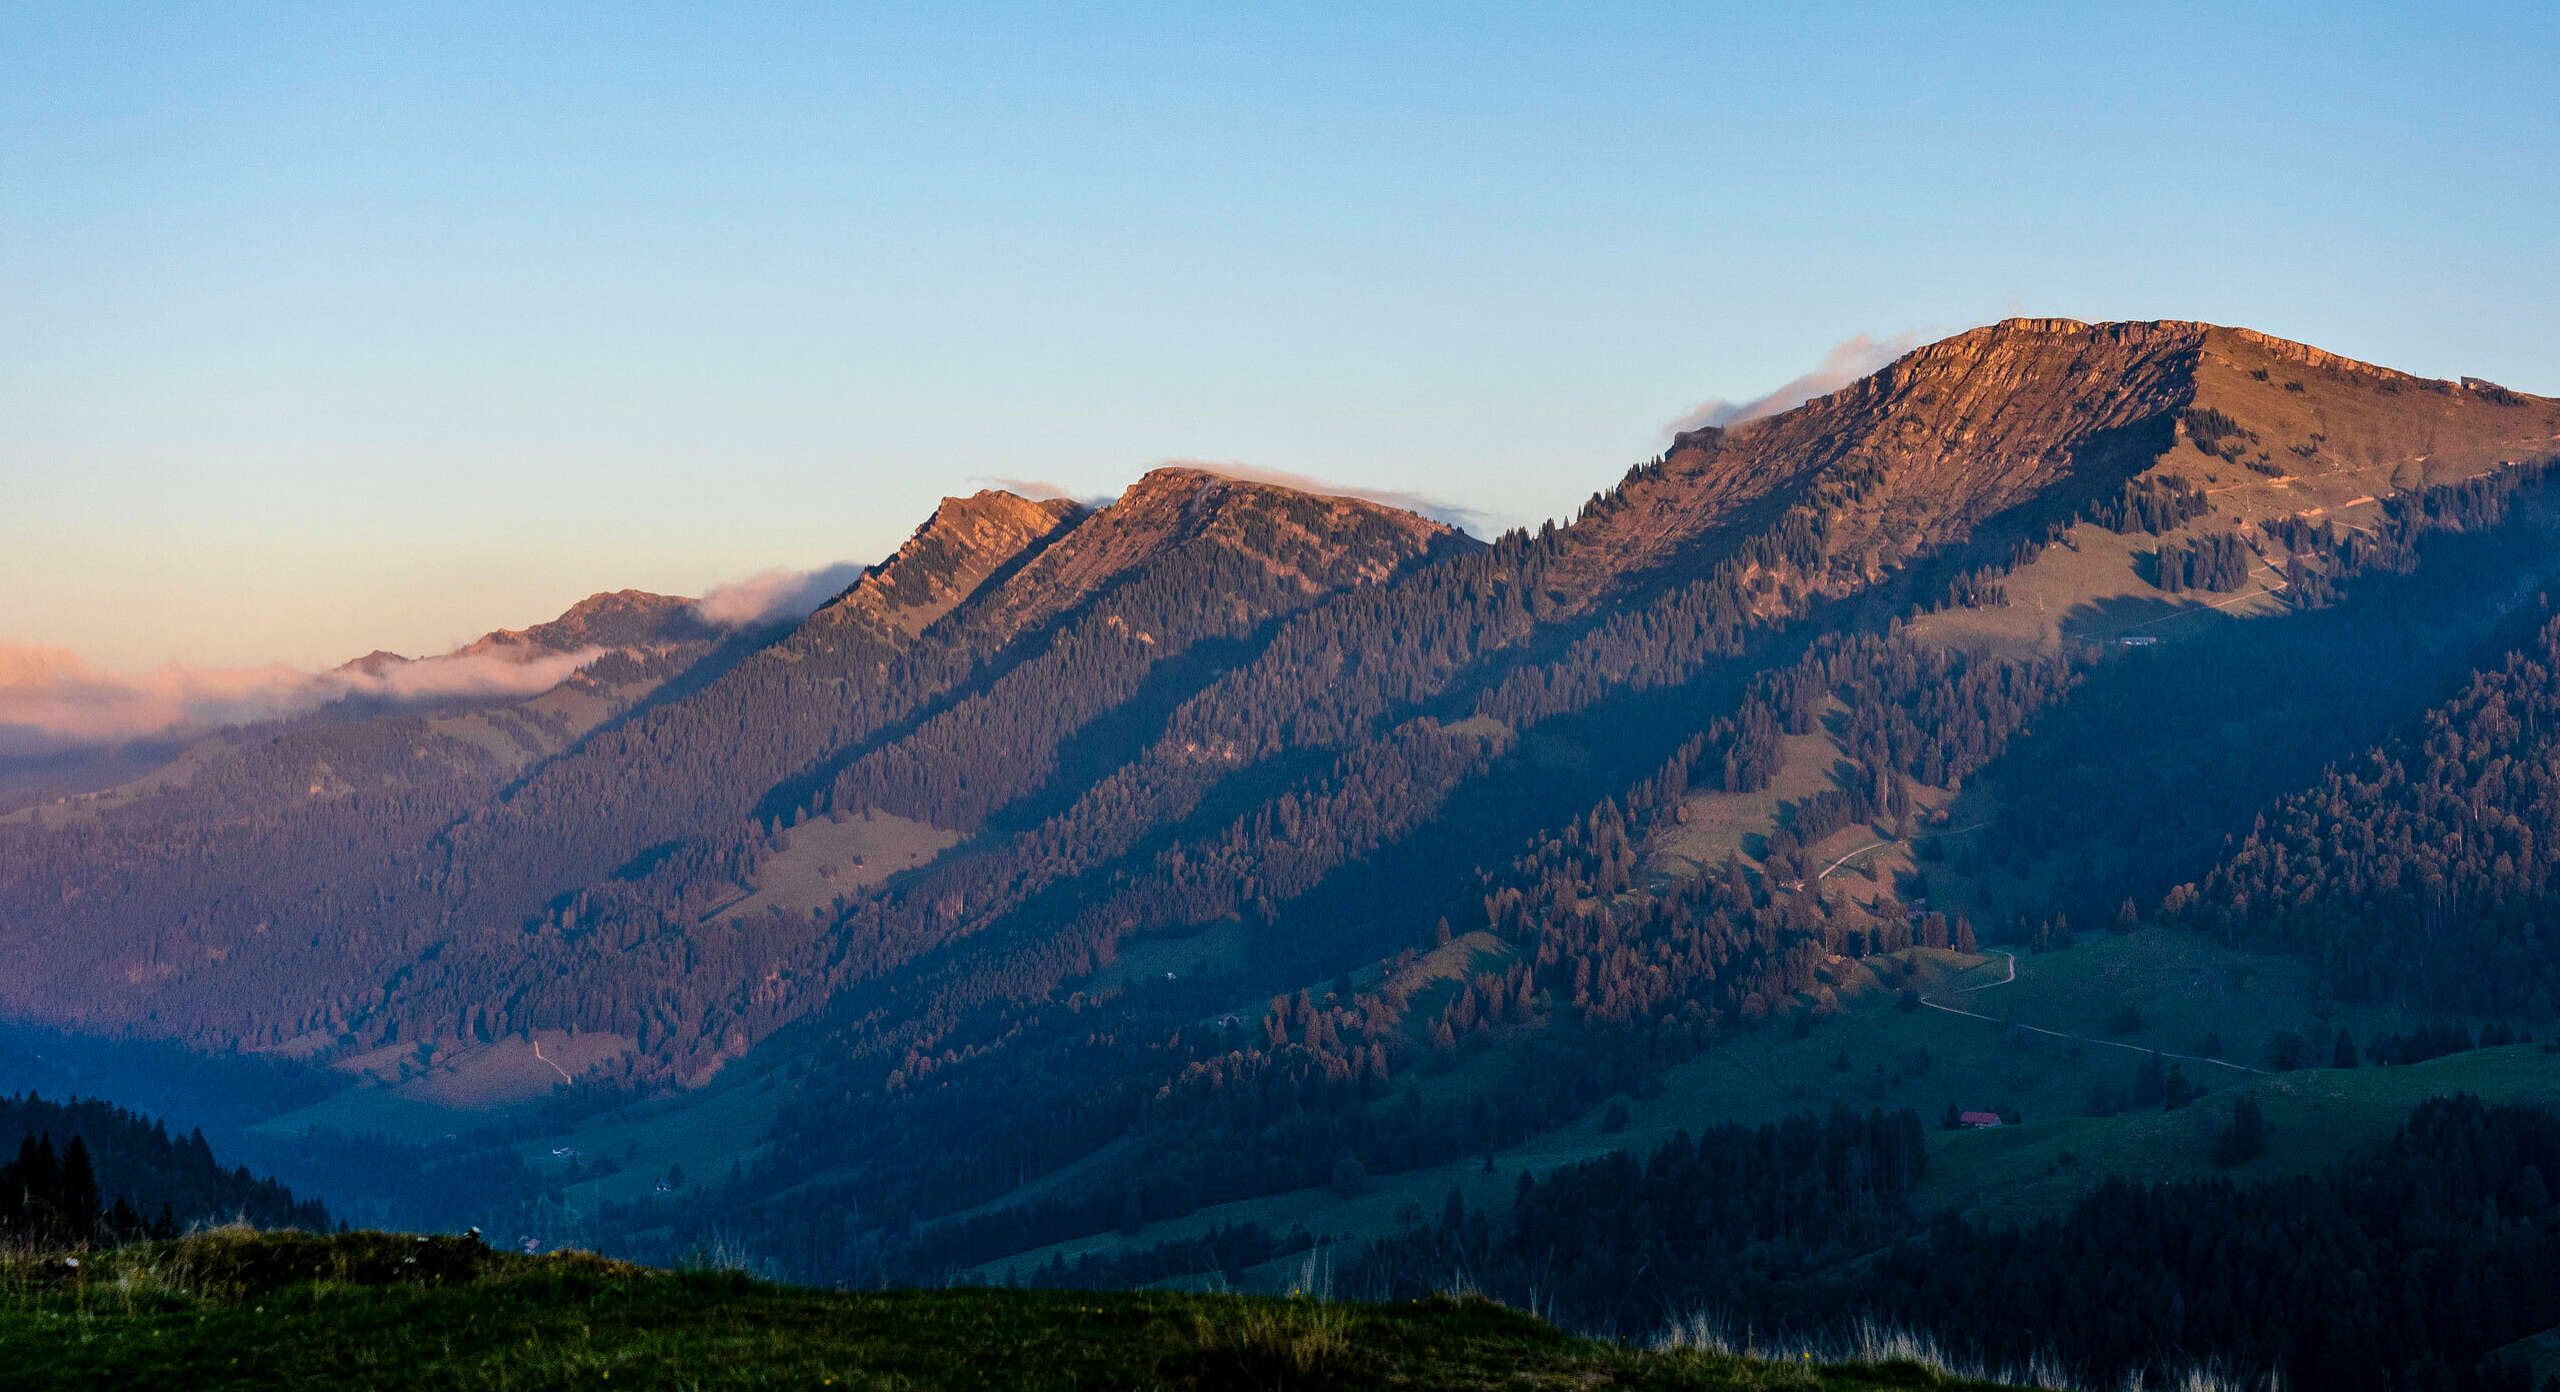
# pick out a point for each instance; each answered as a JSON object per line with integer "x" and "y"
{"x": 115, "y": 1177}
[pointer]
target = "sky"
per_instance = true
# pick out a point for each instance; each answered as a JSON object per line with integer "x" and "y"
{"x": 327, "y": 328}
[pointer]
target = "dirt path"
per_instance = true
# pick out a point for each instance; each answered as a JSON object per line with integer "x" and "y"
{"x": 2273, "y": 584}
{"x": 2059, "y": 1034}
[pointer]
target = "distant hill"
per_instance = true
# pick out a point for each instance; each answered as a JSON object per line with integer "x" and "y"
{"x": 85, "y": 741}
{"x": 619, "y": 620}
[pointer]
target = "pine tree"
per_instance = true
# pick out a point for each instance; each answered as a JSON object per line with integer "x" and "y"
{"x": 77, "y": 1192}
{"x": 2150, "y": 1082}
{"x": 2247, "y": 1138}
{"x": 2177, "y": 1091}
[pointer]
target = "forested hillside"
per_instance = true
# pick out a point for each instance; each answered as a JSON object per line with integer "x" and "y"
{"x": 2424, "y": 869}
{"x": 2401, "y": 1269}
{"x": 1592, "y": 973}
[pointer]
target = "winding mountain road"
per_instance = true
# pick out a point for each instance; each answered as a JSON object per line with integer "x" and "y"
{"x": 2013, "y": 976}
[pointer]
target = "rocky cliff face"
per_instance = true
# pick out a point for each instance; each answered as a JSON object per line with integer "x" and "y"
{"x": 2026, "y": 419}
{"x": 966, "y": 541}
{"x": 1940, "y": 441}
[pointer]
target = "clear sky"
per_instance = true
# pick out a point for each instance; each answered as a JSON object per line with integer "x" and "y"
{"x": 325, "y": 328}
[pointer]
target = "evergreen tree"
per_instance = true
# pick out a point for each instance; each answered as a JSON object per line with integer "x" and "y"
{"x": 2246, "y": 1140}
{"x": 2150, "y": 1081}
{"x": 2176, "y": 1090}
{"x": 76, "y": 1194}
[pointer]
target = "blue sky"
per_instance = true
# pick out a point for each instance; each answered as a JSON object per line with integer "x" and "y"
{"x": 323, "y": 328}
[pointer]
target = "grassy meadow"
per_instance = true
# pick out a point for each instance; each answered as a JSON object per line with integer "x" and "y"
{"x": 238, "y": 1309}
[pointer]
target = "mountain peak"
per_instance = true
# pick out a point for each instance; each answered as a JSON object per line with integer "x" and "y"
{"x": 1187, "y": 479}
{"x": 2015, "y": 349}
{"x": 965, "y": 541}
{"x": 374, "y": 663}
{"x": 999, "y": 506}
{"x": 2027, "y": 335}
{"x": 607, "y": 619}
{"x": 1262, "y": 513}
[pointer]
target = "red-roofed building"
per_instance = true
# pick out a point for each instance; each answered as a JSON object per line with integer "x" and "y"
{"x": 1976, "y": 1121}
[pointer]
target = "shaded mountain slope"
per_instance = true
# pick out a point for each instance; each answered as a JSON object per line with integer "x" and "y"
{"x": 2423, "y": 871}
{"x": 295, "y": 809}
{"x": 652, "y": 815}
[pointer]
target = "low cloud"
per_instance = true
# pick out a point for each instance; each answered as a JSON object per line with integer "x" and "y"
{"x": 1848, "y": 360}
{"x": 1041, "y": 490}
{"x": 775, "y": 596}
{"x": 1037, "y": 490}
{"x": 477, "y": 674}
{"x": 50, "y": 697}
{"x": 1437, "y": 509}
{"x": 54, "y": 699}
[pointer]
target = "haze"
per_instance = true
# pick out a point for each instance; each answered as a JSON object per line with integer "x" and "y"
{"x": 333, "y": 332}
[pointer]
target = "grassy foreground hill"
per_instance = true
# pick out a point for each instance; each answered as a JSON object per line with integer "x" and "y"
{"x": 384, "y": 1310}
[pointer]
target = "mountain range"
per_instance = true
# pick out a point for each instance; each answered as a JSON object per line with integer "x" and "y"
{"x": 1079, "y": 879}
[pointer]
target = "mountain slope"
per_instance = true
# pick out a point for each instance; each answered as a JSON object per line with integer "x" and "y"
{"x": 653, "y": 816}
{"x": 284, "y": 809}
{"x": 2423, "y": 871}
{"x": 1693, "y": 568}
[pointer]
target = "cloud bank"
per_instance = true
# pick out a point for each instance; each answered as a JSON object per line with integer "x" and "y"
{"x": 1848, "y": 360}
{"x": 775, "y": 596}
{"x": 53, "y": 698}
{"x": 1041, "y": 490}
{"x": 1037, "y": 490}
